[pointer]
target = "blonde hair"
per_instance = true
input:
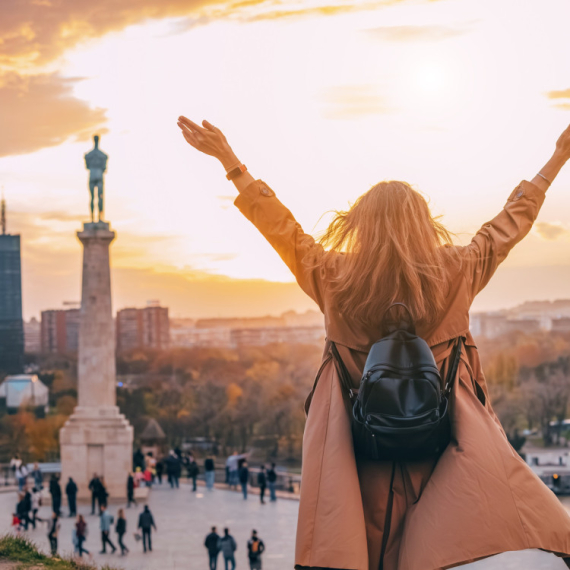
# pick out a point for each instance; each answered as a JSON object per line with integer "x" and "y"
{"x": 394, "y": 251}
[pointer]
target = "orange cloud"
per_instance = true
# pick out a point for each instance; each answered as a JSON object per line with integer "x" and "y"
{"x": 562, "y": 94}
{"x": 350, "y": 101}
{"x": 415, "y": 33}
{"x": 33, "y": 33}
{"x": 551, "y": 231}
{"x": 37, "y": 32}
{"x": 282, "y": 11}
{"x": 40, "y": 111}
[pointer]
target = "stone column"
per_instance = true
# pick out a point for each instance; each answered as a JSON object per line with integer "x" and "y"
{"x": 96, "y": 438}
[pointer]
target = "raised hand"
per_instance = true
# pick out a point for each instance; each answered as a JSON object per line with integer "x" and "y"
{"x": 563, "y": 144}
{"x": 550, "y": 170}
{"x": 207, "y": 139}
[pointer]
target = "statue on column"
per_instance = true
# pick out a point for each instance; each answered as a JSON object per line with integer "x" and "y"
{"x": 96, "y": 163}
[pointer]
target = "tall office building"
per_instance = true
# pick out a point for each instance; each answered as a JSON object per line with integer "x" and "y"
{"x": 11, "y": 323}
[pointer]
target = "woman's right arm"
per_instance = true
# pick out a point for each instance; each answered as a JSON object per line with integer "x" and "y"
{"x": 493, "y": 242}
{"x": 258, "y": 203}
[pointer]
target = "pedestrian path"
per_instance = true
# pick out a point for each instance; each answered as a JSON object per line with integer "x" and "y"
{"x": 184, "y": 518}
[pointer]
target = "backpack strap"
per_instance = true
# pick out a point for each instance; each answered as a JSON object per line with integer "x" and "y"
{"x": 452, "y": 370}
{"x": 343, "y": 374}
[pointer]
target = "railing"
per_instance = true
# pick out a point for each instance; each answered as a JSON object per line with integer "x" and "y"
{"x": 8, "y": 477}
{"x": 286, "y": 481}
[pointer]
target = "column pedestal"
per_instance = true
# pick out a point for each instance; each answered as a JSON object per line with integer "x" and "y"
{"x": 96, "y": 439}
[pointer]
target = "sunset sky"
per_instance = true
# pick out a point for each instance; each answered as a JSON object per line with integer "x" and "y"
{"x": 321, "y": 100}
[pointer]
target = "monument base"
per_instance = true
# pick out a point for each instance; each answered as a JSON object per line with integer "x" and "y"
{"x": 97, "y": 440}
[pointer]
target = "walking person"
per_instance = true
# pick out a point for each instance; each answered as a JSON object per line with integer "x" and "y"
{"x": 37, "y": 476}
{"x": 232, "y": 466}
{"x": 185, "y": 464}
{"x": 53, "y": 532}
{"x": 36, "y": 500}
{"x": 388, "y": 248}
{"x": 105, "y": 523}
{"x": 21, "y": 475}
{"x": 131, "y": 491}
{"x": 272, "y": 482}
{"x": 121, "y": 529}
{"x": 146, "y": 524}
{"x": 210, "y": 472}
{"x": 55, "y": 492}
{"x": 262, "y": 483}
{"x": 27, "y": 507}
{"x": 193, "y": 471}
{"x": 103, "y": 493}
{"x": 81, "y": 535}
{"x": 22, "y": 511}
{"x": 147, "y": 476}
{"x": 244, "y": 478}
{"x": 150, "y": 464}
{"x": 173, "y": 469}
{"x": 255, "y": 548}
{"x": 71, "y": 492}
{"x": 159, "y": 470}
{"x": 139, "y": 477}
{"x": 15, "y": 463}
{"x": 212, "y": 544}
{"x": 95, "y": 488}
{"x": 228, "y": 546}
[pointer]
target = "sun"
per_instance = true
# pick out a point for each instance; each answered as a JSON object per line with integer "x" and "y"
{"x": 431, "y": 78}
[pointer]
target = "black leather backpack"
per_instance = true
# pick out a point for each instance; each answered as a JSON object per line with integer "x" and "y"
{"x": 401, "y": 410}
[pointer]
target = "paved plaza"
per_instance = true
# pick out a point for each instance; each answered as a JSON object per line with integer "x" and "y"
{"x": 183, "y": 519}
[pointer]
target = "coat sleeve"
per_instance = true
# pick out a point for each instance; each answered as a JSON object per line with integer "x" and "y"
{"x": 493, "y": 242}
{"x": 258, "y": 203}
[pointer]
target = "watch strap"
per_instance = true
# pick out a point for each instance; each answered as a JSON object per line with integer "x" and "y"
{"x": 235, "y": 171}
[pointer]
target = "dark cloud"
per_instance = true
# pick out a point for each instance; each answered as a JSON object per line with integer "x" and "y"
{"x": 551, "y": 231}
{"x": 352, "y": 101}
{"x": 415, "y": 33}
{"x": 40, "y": 111}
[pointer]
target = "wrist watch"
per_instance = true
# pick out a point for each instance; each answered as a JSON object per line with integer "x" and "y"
{"x": 235, "y": 171}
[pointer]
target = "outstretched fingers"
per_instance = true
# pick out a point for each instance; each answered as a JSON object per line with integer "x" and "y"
{"x": 191, "y": 125}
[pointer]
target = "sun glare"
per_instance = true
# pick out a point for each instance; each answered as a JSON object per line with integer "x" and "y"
{"x": 431, "y": 78}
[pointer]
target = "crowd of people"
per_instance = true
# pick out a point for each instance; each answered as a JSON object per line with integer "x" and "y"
{"x": 148, "y": 471}
{"x": 30, "y": 501}
{"x": 237, "y": 470}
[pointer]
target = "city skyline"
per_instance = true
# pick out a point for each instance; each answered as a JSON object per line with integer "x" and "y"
{"x": 431, "y": 92}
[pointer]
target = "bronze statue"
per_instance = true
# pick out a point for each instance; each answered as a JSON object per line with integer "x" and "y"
{"x": 96, "y": 163}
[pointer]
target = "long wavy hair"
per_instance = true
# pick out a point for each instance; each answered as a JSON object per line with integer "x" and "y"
{"x": 394, "y": 251}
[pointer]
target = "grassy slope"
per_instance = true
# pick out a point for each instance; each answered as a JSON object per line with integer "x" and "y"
{"x": 23, "y": 552}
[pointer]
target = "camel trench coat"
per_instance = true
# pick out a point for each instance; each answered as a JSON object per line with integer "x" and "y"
{"x": 479, "y": 498}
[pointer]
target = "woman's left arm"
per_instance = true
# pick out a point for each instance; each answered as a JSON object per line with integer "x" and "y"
{"x": 258, "y": 203}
